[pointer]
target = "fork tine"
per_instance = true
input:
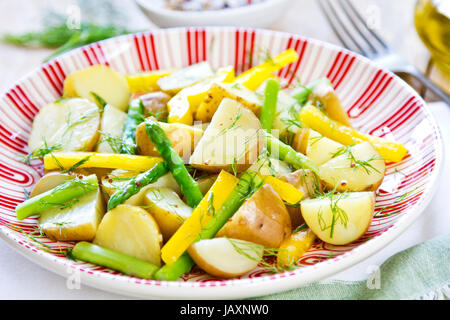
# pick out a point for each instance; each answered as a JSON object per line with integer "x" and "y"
{"x": 336, "y": 24}
{"x": 360, "y": 18}
{"x": 356, "y": 26}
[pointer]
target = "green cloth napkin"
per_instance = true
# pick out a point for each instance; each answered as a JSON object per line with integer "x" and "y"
{"x": 420, "y": 272}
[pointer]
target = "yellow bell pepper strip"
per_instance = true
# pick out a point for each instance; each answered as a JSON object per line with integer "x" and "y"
{"x": 185, "y": 103}
{"x": 146, "y": 81}
{"x": 190, "y": 229}
{"x": 313, "y": 118}
{"x": 255, "y": 76}
{"x": 295, "y": 246}
{"x": 248, "y": 183}
{"x": 285, "y": 190}
{"x": 65, "y": 160}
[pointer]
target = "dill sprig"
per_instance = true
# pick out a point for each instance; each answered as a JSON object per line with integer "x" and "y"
{"x": 40, "y": 152}
{"x": 232, "y": 126}
{"x": 355, "y": 163}
{"x": 252, "y": 251}
{"x": 399, "y": 199}
{"x": 338, "y": 214}
{"x": 116, "y": 143}
{"x": 76, "y": 165}
{"x": 67, "y": 252}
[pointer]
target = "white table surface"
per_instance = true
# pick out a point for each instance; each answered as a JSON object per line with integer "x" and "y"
{"x": 22, "y": 279}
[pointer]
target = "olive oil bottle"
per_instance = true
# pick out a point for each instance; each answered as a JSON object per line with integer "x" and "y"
{"x": 432, "y": 20}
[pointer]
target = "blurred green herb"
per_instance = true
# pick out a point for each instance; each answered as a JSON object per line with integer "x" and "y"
{"x": 55, "y": 32}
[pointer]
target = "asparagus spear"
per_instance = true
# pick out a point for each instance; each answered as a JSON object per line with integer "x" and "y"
{"x": 136, "y": 184}
{"x": 57, "y": 196}
{"x": 188, "y": 185}
{"x": 269, "y": 104}
{"x": 244, "y": 188}
{"x": 92, "y": 253}
{"x": 134, "y": 117}
{"x": 286, "y": 153}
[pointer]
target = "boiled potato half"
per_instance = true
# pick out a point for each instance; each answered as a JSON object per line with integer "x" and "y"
{"x": 167, "y": 208}
{"x": 233, "y": 138}
{"x": 357, "y": 168}
{"x": 70, "y": 123}
{"x": 132, "y": 231}
{"x": 111, "y": 126}
{"x": 102, "y": 80}
{"x": 262, "y": 219}
{"x": 320, "y": 149}
{"x": 50, "y": 181}
{"x": 339, "y": 218}
{"x": 76, "y": 222}
{"x": 226, "y": 258}
{"x": 183, "y": 138}
{"x": 267, "y": 166}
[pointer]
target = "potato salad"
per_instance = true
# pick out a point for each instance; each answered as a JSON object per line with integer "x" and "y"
{"x": 153, "y": 173}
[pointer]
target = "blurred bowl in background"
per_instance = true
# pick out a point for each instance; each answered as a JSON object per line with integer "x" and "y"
{"x": 259, "y": 15}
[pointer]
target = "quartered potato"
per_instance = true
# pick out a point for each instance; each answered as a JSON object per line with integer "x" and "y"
{"x": 111, "y": 126}
{"x": 235, "y": 91}
{"x": 167, "y": 208}
{"x": 358, "y": 168}
{"x": 340, "y": 218}
{"x": 233, "y": 138}
{"x": 227, "y": 258}
{"x": 326, "y": 95}
{"x": 184, "y": 138}
{"x": 262, "y": 219}
{"x": 185, "y": 77}
{"x": 155, "y": 104}
{"x": 267, "y": 166}
{"x": 70, "y": 123}
{"x": 102, "y": 80}
{"x": 132, "y": 231}
{"x": 320, "y": 149}
{"x": 50, "y": 181}
{"x": 76, "y": 220}
{"x": 118, "y": 178}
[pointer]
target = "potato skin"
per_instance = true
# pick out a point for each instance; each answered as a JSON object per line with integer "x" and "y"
{"x": 262, "y": 219}
{"x": 183, "y": 138}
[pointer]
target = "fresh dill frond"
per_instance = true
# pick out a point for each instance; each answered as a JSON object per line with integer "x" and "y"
{"x": 116, "y": 143}
{"x": 356, "y": 163}
{"x": 252, "y": 251}
{"x": 40, "y": 152}
{"x": 78, "y": 164}
{"x": 232, "y": 126}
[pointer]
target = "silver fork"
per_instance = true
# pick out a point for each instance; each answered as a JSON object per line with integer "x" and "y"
{"x": 356, "y": 36}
